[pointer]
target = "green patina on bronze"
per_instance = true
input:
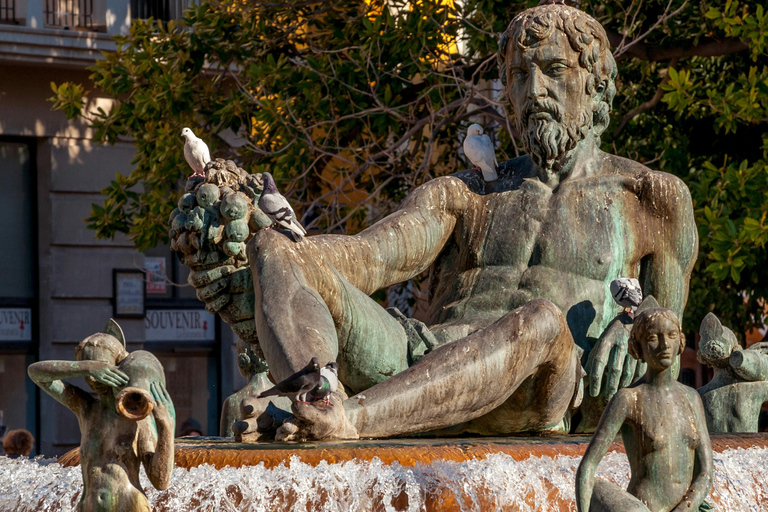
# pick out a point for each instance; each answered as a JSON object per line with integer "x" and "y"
{"x": 663, "y": 427}
{"x": 519, "y": 268}
{"x": 734, "y": 396}
{"x": 130, "y": 423}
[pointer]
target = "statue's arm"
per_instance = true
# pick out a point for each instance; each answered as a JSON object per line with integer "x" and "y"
{"x": 402, "y": 245}
{"x": 50, "y": 375}
{"x": 703, "y": 470}
{"x": 672, "y": 237}
{"x": 158, "y": 459}
{"x": 613, "y": 418}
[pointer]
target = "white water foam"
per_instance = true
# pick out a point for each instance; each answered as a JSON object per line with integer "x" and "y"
{"x": 496, "y": 483}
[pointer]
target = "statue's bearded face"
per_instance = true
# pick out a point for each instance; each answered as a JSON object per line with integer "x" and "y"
{"x": 547, "y": 89}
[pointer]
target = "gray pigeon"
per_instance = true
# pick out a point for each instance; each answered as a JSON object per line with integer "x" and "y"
{"x": 626, "y": 292}
{"x": 277, "y": 208}
{"x": 299, "y": 385}
{"x": 544, "y": 2}
{"x": 195, "y": 152}
{"x": 329, "y": 383}
{"x": 480, "y": 151}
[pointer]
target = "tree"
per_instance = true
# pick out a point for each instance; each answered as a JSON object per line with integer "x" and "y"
{"x": 352, "y": 104}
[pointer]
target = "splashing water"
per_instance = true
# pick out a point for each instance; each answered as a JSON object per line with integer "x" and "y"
{"x": 497, "y": 482}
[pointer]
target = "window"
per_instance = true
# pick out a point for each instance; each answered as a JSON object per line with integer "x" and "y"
{"x": 69, "y": 14}
{"x": 17, "y": 252}
{"x": 163, "y": 10}
{"x": 8, "y": 11}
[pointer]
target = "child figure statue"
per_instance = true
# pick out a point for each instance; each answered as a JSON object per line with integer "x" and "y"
{"x": 732, "y": 399}
{"x": 130, "y": 422}
{"x": 663, "y": 427}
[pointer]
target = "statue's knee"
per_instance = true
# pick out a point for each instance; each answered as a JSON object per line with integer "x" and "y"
{"x": 540, "y": 318}
{"x": 266, "y": 242}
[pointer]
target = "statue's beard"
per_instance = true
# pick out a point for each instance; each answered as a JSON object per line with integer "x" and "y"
{"x": 547, "y": 139}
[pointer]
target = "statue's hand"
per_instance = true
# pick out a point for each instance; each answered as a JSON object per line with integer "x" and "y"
{"x": 317, "y": 421}
{"x": 609, "y": 362}
{"x": 164, "y": 410}
{"x": 107, "y": 374}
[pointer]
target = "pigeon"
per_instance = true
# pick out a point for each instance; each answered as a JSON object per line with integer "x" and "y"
{"x": 299, "y": 385}
{"x": 329, "y": 383}
{"x": 545, "y": 2}
{"x": 277, "y": 208}
{"x": 627, "y": 293}
{"x": 195, "y": 152}
{"x": 480, "y": 151}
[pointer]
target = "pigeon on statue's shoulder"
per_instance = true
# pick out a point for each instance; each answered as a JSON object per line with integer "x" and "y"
{"x": 480, "y": 151}
{"x": 298, "y": 386}
{"x": 277, "y": 208}
{"x": 195, "y": 152}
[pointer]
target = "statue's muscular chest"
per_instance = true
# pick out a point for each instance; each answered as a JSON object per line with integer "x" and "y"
{"x": 577, "y": 228}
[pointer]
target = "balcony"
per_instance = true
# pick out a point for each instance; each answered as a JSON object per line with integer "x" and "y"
{"x": 73, "y": 33}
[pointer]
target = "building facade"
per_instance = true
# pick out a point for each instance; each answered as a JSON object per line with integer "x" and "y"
{"x": 57, "y": 281}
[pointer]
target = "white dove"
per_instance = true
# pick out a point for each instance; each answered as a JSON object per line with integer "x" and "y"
{"x": 277, "y": 208}
{"x": 479, "y": 149}
{"x": 195, "y": 152}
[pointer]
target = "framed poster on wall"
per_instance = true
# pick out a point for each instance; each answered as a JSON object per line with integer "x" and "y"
{"x": 129, "y": 293}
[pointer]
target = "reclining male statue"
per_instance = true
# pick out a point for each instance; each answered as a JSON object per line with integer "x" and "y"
{"x": 519, "y": 267}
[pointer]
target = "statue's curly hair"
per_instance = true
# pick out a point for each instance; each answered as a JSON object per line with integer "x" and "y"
{"x": 585, "y": 35}
{"x": 643, "y": 322}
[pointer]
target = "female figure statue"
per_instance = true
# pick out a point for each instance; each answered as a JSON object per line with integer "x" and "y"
{"x": 664, "y": 430}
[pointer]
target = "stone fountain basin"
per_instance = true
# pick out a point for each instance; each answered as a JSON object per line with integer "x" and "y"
{"x": 468, "y": 474}
{"x": 221, "y": 451}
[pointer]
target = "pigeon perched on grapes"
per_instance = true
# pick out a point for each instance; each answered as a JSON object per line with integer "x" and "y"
{"x": 299, "y": 385}
{"x": 195, "y": 152}
{"x": 627, "y": 293}
{"x": 277, "y": 208}
{"x": 480, "y": 151}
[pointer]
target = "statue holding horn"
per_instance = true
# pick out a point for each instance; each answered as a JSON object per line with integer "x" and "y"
{"x": 130, "y": 422}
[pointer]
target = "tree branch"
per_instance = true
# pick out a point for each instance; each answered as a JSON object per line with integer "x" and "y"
{"x": 648, "y": 104}
{"x": 648, "y": 52}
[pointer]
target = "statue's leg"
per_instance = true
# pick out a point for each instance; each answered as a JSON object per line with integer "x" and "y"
{"x": 304, "y": 307}
{"x": 609, "y": 497}
{"x": 476, "y": 375}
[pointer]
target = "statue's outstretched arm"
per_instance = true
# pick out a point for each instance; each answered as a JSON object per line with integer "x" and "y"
{"x": 50, "y": 375}
{"x": 613, "y": 418}
{"x": 402, "y": 245}
{"x": 158, "y": 459}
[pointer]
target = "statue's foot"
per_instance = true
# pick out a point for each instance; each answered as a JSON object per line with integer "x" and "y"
{"x": 317, "y": 421}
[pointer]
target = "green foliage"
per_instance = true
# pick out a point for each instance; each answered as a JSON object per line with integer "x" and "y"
{"x": 350, "y": 105}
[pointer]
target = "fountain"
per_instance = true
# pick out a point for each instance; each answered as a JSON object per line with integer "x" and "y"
{"x": 524, "y": 475}
{"x": 520, "y": 265}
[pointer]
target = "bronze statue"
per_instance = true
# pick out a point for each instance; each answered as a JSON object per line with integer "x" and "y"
{"x": 131, "y": 421}
{"x": 519, "y": 268}
{"x": 237, "y": 406}
{"x": 734, "y": 396}
{"x": 663, "y": 427}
